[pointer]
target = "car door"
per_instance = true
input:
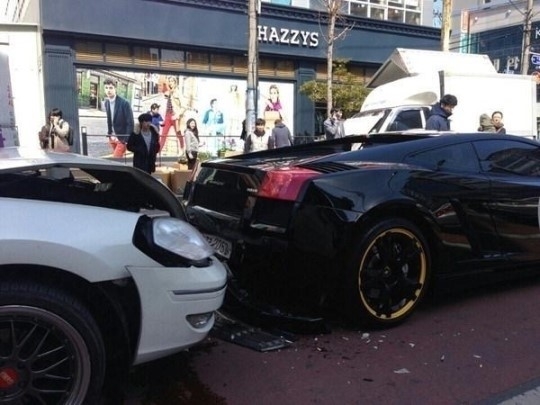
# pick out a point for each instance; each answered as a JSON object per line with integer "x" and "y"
{"x": 513, "y": 167}
{"x": 457, "y": 194}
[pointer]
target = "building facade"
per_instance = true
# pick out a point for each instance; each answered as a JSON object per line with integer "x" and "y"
{"x": 202, "y": 45}
{"x": 419, "y": 12}
{"x": 496, "y": 28}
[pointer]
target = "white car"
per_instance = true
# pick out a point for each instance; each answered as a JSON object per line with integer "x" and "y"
{"x": 98, "y": 272}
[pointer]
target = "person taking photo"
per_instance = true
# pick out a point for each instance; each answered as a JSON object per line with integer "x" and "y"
{"x": 54, "y": 134}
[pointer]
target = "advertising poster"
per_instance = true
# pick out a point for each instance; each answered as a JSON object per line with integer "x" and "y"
{"x": 218, "y": 106}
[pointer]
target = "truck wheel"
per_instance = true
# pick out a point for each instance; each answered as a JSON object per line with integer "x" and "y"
{"x": 51, "y": 349}
{"x": 388, "y": 273}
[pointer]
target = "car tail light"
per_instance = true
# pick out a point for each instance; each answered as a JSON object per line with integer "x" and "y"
{"x": 285, "y": 184}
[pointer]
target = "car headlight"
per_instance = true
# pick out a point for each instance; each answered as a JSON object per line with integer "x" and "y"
{"x": 172, "y": 242}
{"x": 181, "y": 238}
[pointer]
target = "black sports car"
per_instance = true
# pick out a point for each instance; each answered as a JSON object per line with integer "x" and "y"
{"x": 368, "y": 222}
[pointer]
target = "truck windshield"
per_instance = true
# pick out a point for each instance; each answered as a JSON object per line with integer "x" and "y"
{"x": 366, "y": 122}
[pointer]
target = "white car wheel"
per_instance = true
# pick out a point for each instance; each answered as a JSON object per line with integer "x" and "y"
{"x": 51, "y": 351}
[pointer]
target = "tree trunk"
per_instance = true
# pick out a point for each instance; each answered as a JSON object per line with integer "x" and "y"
{"x": 446, "y": 25}
{"x": 526, "y": 53}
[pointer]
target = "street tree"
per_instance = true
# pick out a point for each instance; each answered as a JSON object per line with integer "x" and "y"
{"x": 348, "y": 92}
{"x": 337, "y": 28}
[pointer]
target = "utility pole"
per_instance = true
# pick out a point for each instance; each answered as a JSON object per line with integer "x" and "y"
{"x": 446, "y": 25}
{"x": 252, "y": 68}
{"x": 526, "y": 51}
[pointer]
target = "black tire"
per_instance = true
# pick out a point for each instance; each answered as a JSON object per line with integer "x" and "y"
{"x": 51, "y": 349}
{"x": 388, "y": 273}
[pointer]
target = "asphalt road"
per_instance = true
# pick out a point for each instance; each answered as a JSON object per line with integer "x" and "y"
{"x": 477, "y": 347}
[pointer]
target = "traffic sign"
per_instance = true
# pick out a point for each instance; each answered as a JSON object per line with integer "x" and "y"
{"x": 535, "y": 59}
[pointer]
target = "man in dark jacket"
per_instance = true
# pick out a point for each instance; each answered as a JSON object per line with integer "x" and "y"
{"x": 281, "y": 135}
{"x": 144, "y": 143}
{"x": 440, "y": 112}
{"x": 119, "y": 118}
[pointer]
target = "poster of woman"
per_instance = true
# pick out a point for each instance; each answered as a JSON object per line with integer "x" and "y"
{"x": 223, "y": 100}
{"x": 276, "y": 103}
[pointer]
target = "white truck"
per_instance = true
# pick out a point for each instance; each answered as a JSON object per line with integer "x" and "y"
{"x": 411, "y": 81}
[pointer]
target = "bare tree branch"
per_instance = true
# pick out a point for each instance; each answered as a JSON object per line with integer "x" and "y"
{"x": 334, "y": 17}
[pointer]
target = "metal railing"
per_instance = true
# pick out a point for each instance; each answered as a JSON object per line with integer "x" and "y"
{"x": 97, "y": 145}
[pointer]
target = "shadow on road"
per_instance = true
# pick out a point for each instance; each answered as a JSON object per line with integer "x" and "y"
{"x": 168, "y": 381}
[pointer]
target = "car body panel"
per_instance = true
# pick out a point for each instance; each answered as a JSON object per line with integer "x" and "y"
{"x": 167, "y": 297}
{"x": 474, "y": 220}
{"x": 96, "y": 246}
{"x": 16, "y": 157}
{"x": 66, "y": 214}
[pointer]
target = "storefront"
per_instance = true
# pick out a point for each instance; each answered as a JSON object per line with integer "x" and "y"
{"x": 203, "y": 45}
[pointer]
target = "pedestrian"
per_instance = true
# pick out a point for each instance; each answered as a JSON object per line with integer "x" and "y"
{"x": 440, "y": 112}
{"x": 486, "y": 124}
{"x": 333, "y": 125}
{"x": 497, "y": 117}
{"x": 157, "y": 119}
{"x": 191, "y": 135}
{"x": 119, "y": 118}
{"x": 259, "y": 139}
{"x": 281, "y": 135}
{"x": 54, "y": 134}
{"x": 244, "y": 132}
{"x": 144, "y": 143}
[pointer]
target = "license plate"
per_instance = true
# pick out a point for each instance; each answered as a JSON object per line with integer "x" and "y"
{"x": 221, "y": 246}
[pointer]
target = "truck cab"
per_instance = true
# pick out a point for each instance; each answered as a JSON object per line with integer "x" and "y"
{"x": 388, "y": 119}
{"x": 411, "y": 81}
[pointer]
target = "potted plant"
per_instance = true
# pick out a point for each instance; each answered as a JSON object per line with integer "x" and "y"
{"x": 228, "y": 148}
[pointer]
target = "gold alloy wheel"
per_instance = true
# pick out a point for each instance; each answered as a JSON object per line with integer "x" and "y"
{"x": 392, "y": 274}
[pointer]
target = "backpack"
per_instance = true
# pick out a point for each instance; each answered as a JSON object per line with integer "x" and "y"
{"x": 69, "y": 136}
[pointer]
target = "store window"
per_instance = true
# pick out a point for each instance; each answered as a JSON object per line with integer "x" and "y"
{"x": 412, "y": 18}
{"x": 377, "y": 13}
{"x": 172, "y": 58}
{"x": 395, "y": 15}
{"x": 240, "y": 64}
{"x": 412, "y": 5}
{"x": 221, "y": 63}
{"x": 89, "y": 51}
{"x": 197, "y": 60}
{"x": 177, "y": 60}
{"x": 359, "y": 9}
{"x": 117, "y": 53}
{"x": 145, "y": 56}
{"x": 285, "y": 68}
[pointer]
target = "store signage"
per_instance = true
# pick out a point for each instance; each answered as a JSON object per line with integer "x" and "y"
{"x": 288, "y": 36}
